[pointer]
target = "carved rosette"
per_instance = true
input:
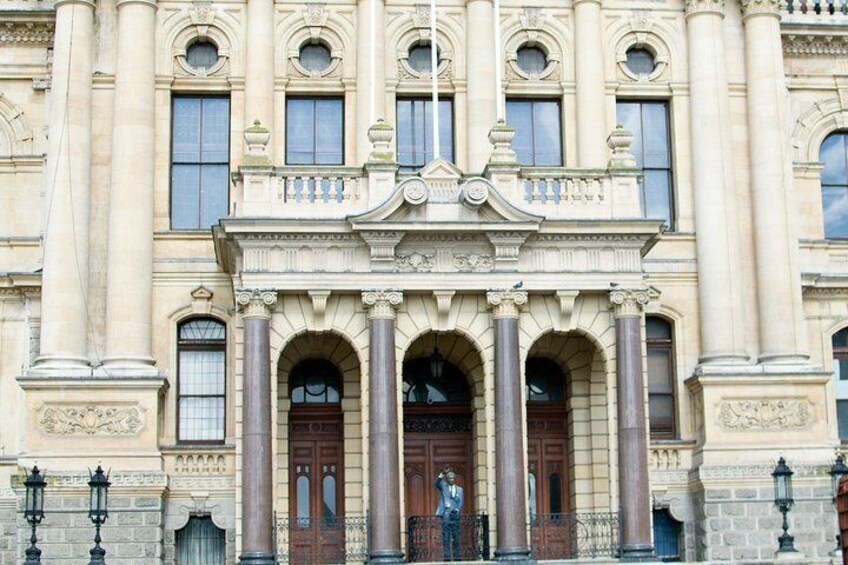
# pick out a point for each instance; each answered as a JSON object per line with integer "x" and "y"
{"x": 628, "y": 302}
{"x": 506, "y": 303}
{"x": 256, "y": 302}
{"x": 770, "y": 414}
{"x": 704, "y": 7}
{"x": 760, "y": 8}
{"x": 381, "y": 303}
{"x": 91, "y": 420}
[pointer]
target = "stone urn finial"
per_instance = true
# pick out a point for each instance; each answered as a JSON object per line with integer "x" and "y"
{"x": 257, "y": 137}
{"x": 500, "y": 136}
{"x": 380, "y": 135}
{"x": 619, "y": 141}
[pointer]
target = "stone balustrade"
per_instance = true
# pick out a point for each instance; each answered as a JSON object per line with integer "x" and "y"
{"x": 556, "y": 187}
{"x": 815, "y": 8}
{"x": 670, "y": 461}
{"x": 201, "y": 461}
{"x": 319, "y": 185}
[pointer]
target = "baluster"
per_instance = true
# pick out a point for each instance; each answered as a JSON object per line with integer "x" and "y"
{"x": 844, "y": 9}
{"x": 290, "y": 194}
{"x": 528, "y": 190}
{"x": 349, "y": 186}
{"x": 305, "y": 190}
{"x": 788, "y": 6}
{"x": 333, "y": 193}
{"x": 549, "y": 192}
{"x": 535, "y": 196}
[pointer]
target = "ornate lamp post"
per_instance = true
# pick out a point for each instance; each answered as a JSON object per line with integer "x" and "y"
{"x": 783, "y": 500}
{"x": 437, "y": 362}
{"x": 34, "y": 512}
{"x": 98, "y": 511}
{"x": 836, "y": 472}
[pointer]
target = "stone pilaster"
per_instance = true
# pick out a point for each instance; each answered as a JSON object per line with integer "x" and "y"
{"x": 384, "y": 501}
{"x": 129, "y": 294}
{"x": 259, "y": 70}
{"x": 783, "y": 334}
{"x": 480, "y": 68}
{"x": 720, "y": 283}
{"x": 68, "y": 171}
{"x": 591, "y": 84}
{"x": 510, "y": 475}
{"x": 633, "y": 480}
{"x": 370, "y": 44}
{"x": 257, "y": 465}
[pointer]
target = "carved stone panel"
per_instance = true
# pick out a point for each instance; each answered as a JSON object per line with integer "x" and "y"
{"x": 768, "y": 414}
{"x": 91, "y": 419}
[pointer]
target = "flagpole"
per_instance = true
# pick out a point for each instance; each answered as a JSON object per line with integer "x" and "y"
{"x": 372, "y": 107}
{"x": 434, "y": 60}
{"x": 499, "y": 114}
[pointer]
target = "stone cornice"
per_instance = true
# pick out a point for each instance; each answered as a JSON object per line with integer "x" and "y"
{"x": 26, "y": 29}
{"x": 760, "y": 8}
{"x": 629, "y": 302}
{"x": 256, "y": 302}
{"x": 381, "y": 304}
{"x": 506, "y": 303}
{"x": 801, "y": 42}
{"x": 694, "y": 7}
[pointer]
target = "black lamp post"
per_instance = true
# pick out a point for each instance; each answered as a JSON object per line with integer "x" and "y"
{"x": 34, "y": 512}
{"x": 839, "y": 468}
{"x": 783, "y": 500}
{"x": 437, "y": 361}
{"x": 98, "y": 511}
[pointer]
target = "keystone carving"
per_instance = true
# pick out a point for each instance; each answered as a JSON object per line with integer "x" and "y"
{"x": 91, "y": 420}
{"x": 772, "y": 414}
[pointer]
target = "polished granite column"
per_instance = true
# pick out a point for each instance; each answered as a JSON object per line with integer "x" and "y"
{"x": 510, "y": 479}
{"x": 257, "y": 501}
{"x": 633, "y": 481}
{"x": 384, "y": 500}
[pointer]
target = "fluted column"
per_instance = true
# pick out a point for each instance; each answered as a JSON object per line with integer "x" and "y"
{"x": 510, "y": 479}
{"x": 257, "y": 547}
{"x": 717, "y": 240}
{"x": 64, "y": 318}
{"x": 383, "y": 468}
{"x": 370, "y": 63}
{"x": 589, "y": 76}
{"x": 481, "y": 107}
{"x": 130, "y": 255}
{"x": 782, "y": 325}
{"x": 633, "y": 482}
{"x": 259, "y": 68}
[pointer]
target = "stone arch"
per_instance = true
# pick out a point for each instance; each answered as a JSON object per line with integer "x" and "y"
{"x": 532, "y": 28}
{"x": 414, "y": 27}
{"x": 180, "y": 507}
{"x": 16, "y": 136}
{"x": 817, "y": 122}
{"x": 315, "y": 24}
{"x": 200, "y": 23}
{"x": 643, "y": 30}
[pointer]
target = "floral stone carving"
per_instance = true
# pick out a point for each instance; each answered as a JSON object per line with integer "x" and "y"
{"x": 772, "y": 414}
{"x": 91, "y": 420}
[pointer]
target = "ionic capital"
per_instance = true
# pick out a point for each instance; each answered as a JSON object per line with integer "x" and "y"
{"x": 121, "y": 3}
{"x": 381, "y": 303}
{"x": 760, "y": 8}
{"x": 704, "y": 7}
{"x": 89, "y": 3}
{"x": 506, "y": 303}
{"x": 256, "y": 302}
{"x": 629, "y": 302}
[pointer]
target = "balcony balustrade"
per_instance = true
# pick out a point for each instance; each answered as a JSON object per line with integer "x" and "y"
{"x": 574, "y": 535}
{"x": 306, "y": 541}
{"x": 816, "y": 7}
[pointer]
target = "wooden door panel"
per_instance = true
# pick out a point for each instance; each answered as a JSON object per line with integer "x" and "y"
{"x": 547, "y": 450}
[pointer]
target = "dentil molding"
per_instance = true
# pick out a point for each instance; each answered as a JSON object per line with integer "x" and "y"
{"x": 770, "y": 414}
{"x": 27, "y": 32}
{"x": 118, "y": 419}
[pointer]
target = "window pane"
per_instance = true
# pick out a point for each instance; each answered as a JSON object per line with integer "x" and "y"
{"x": 329, "y": 487}
{"x": 415, "y": 132}
{"x": 842, "y": 418}
{"x": 202, "y": 55}
{"x": 547, "y": 137}
{"x": 201, "y": 372}
{"x": 519, "y": 115}
{"x": 328, "y": 132}
{"x": 315, "y": 57}
{"x": 216, "y": 130}
{"x": 420, "y": 58}
{"x": 833, "y": 155}
{"x": 835, "y": 205}
{"x": 657, "y": 187}
{"x": 421, "y": 133}
{"x": 840, "y": 368}
{"x": 657, "y": 328}
{"x": 186, "y": 130}
{"x": 531, "y": 491}
{"x": 203, "y": 329}
{"x": 185, "y": 196}
{"x": 531, "y": 60}
{"x": 405, "y": 132}
{"x": 640, "y": 61}
{"x": 303, "y": 497}
{"x": 840, "y": 338}
{"x": 300, "y": 134}
{"x": 555, "y": 493}
{"x": 201, "y": 419}
{"x": 659, "y": 374}
{"x": 201, "y": 542}
{"x": 214, "y": 194}
{"x": 629, "y": 115}
{"x": 661, "y": 413}
{"x": 666, "y": 535}
{"x": 655, "y": 136}
{"x": 446, "y": 129}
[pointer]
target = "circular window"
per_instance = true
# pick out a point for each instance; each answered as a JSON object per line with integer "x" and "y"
{"x": 419, "y": 58}
{"x": 532, "y": 60}
{"x": 202, "y": 54}
{"x": 314, "y": 57}
{"x": 640, "y": 61}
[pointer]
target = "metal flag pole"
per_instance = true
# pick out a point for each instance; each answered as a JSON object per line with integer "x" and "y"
{"x": 496, "y": 20}
{"x": 434, "y": 60}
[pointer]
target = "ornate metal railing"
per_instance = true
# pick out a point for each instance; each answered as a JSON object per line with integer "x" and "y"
{"x": 322, "y": 540}
{"x": 818, "y": 7}
{"x": 574, "y": 535}
{"x": 424, "y": 538}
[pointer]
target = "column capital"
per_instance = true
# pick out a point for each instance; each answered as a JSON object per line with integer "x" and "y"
{"x": 704, "y": 7}
{"x": 256, "y": 302}
{"x": 121, "y": 3}
{"x": 760, "y": 8}
{"x": 628, "y": 302}
{"x": 89, "y": 3}
{"x": 381, "y": 303}
{"x": 506, "y": 303}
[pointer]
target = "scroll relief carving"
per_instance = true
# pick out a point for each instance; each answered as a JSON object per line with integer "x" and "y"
{"x": 91, "y": 419}
{"x": 415, "y": 263}
{"x": 473, "y": 262}
{"x": 771, "y": 414}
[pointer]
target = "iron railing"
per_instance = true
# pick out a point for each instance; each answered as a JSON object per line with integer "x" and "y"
{"x": 322, "y": 540}
{"x": 572, "y": 535}
{"x": 424, "y": 538}
{"x": 819, "y": 7}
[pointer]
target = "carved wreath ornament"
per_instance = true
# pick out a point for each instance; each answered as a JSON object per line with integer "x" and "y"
{"x": 91, "y": 420}
{"x": 789, "y": 414}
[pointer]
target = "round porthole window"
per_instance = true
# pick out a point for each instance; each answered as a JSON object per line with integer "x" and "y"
{"x": 202, "y": 54}
{"x": 640, "y": 61}
{"x": 314, "y": 57}
{"x": 531, "y": 60}
{"x": 420, "y": 58}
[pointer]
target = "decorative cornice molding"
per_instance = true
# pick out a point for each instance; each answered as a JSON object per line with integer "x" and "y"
{"x": 256, "y": 302}
{"x": 506, "y": 303}
{"x": 27, "y": 32}
{"x": 797, "y": 44}
{"x": 629, "y": 302}
{"x": 770, "y": 414}
{"x": 119, "y": 479}
{"x": 704, "y": 7}
{"x": 91, "y": 419}
{"x": 381, "y": 303}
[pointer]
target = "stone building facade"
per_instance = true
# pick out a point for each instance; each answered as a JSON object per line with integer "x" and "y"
{"x": 235, "y": 269}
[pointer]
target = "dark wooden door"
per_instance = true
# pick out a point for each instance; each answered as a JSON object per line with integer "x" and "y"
{"x": 316, "y": 487}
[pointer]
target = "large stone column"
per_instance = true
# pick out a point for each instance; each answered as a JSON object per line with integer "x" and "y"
{"x": 717, "y": 240}
{"x": 259, "y": 69}
{"x": 510, "y": 479}
{"x": 257, "y": 542}
{"x": 370, "y": 62}
{"x": 782, "y": 325}
{"x": 481, "y": 104}
{"x": 633, "y": 482}
{"x": 591, "y": 85}
{"x": 130, "y": 255}
{"x": 383, "y": 468}
{"x": 64, "y": 319}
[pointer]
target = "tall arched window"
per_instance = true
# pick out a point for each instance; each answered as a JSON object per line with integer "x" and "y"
{"x": 834, "y": 155}
{"x": 201, "y": 381}
{"x": 840, "y": 375}
{"x": 201, "y": 542}
{"x": 661, "y": 400}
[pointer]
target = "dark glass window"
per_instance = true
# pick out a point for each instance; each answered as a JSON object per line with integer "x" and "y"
{"x": 840, "y": 375}
{"x": 314, "y": 57}
{"x": 415, "y": 132}
{"x": 538, "y": 135}
{"x": 315, "y": 381}
{"x": 648, "y": 121}
{"x": 661, "y": 400}
{"x": 834, "y": 155}
{"x": 640, "y": 61}
{"x": 419, "y": 386}
{"x": 200, "y": 161}
{"x": 545, "y": 380}
{"x": 667, "y": 533}
{"x": 531, "y": 60}
{"x": 420, "y": 58}
{"x": 314, "y": 131}
{"x": 201, "y": 359}
{"x": 202, "y": 54}
{"x": 201, "y": 542}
